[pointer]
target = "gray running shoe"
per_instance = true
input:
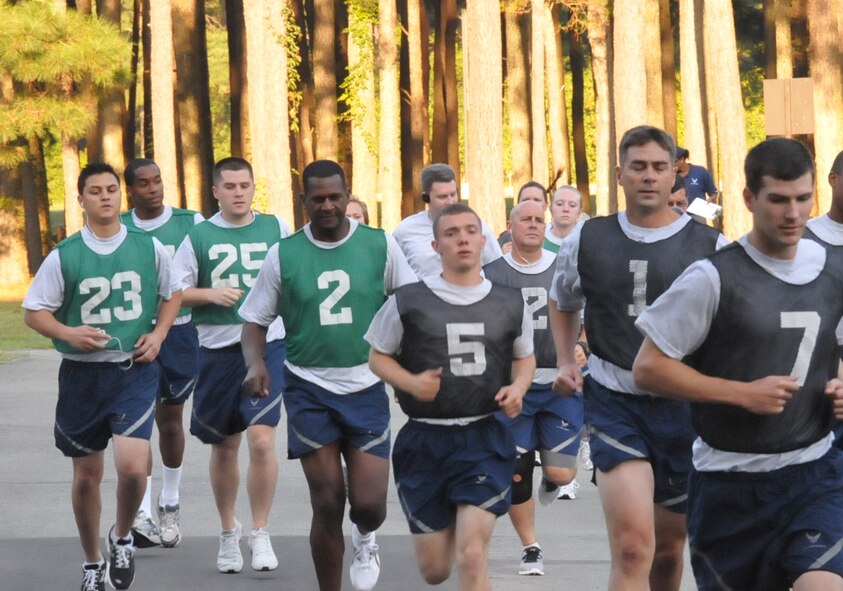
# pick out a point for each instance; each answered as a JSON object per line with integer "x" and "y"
{"x": 145, "y": 531}
{"x": 168, "y": 524}
{"x": 532, "y": 562}
{"x": 93, "y": 577}
{"x": 121, "y": 571}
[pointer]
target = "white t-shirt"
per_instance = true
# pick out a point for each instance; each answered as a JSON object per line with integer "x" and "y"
{"x": 827, "y": 229}
{"x": 217, "y": 336}
{"x": 414, "y": 235}
{"x": 261, "y": 306}
{"x": 47, "y": 289}
{"x": 678, "y": 333}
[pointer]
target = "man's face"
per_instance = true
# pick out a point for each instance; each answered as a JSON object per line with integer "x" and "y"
{"x": 235, "y": 192}
{"x": 835, "y": 180}
{"x": 441, "y": 196}
{"x": 147, "y": 191}
{"x": 646, "y": 176}
{"x": 325, "y": 200}
{"x": 678, "y": 199}
{"x": 780, "y": 211}
{"x": 100, "y": 198}
{"x": 527, "y": 225}
{"x": 683, "y": 166}
{"x": 533, "y": 194}
{"x": 460, "y": 241}
{"x": 565, "y": 209}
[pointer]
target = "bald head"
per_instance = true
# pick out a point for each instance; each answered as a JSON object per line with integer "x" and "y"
{"x": 527, "y": 225}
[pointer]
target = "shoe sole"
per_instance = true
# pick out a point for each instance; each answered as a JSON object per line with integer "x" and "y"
{"x": 141, "y": 541}
{"x": 534, "y": 572}
{"x": 172, "y": 544}
{"x": 567, "y": 498}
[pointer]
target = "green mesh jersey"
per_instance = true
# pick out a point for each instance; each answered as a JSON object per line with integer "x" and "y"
{"x": 230, "y": 257}
{"x": 170, "y": 234}
{"x": 330, "y": 295}
{"x": 551, "y": 246}
{"x": 117, "y": 292}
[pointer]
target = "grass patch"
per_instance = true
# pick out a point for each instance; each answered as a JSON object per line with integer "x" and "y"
{"x": 17, "y": 337}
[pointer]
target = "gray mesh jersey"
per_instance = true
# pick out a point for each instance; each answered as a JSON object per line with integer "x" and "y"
{"x": 764, "y": 326}
{"x": 621, "y": 277}
{"x": 472, "y": 343}
{"x": 535, "y": 289}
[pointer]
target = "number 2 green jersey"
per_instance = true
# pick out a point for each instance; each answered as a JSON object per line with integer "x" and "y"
{"x": 117, "y": 292}
{"x": 230, "y": 257}
{"x": 330, "y": 295}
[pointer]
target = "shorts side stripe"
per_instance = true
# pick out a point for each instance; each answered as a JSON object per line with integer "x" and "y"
{"x": 419, "y": 524}
{"x": 495, "y": 499}
{"x": 137, "y": 424}
{"x": 618, "y": 445}
{"x": 187, "y": 388}
{"x": 565, "y": 443}
{"x": 828, "y": 555}
{"x": 78, "y": 446}
{"x": 674, "y": 501}
{"x": 710, "y": 567}
{"x": 207, "y": 427}
{"x": 265, "y": 410}
{"x": 306, "y": 441}
{"x": 377, "y": 441}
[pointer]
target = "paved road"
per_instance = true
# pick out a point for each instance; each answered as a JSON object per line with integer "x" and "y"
{"x": 39, "y": 549}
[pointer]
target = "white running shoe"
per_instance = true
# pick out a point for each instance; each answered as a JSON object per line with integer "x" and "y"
{"x": 569, "y": 491}
{"x": 366, "y": 564}
{"x": 585, "y": 456}
{"x": 263, "y": 557}
{"x": 168, "y": 520}
{"x": 546, "y": 493}
{"x": 145, "y": 531}
{"x": 230, "y": 559}
{"x": 532, "y": 562}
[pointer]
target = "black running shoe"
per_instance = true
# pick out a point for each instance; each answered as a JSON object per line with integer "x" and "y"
{"x": 121, "y": 572}
{"x": 93, "y": 577}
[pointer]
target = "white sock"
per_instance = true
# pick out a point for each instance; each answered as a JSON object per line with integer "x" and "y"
{"x": 146, "y": 503}
{"x": 170, "y": 482}
{"x": 533, "y": 545}
{"x": 100, "y": 562}
{"x": 358, "y": 537}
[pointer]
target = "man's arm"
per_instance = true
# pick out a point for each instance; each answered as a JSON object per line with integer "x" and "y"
{"x": 658, "y": 373}
{"x": 84, "y": 338}
{"x": 834, "y": 389}
{"x": 510, "y": 397}
{"x": 148, "y": 345}
{"x": 565, "y": 327}
{"x": 253, "y": 344}
{"x": 424, "y": 386}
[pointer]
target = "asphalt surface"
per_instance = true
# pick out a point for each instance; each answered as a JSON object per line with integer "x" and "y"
{"x": 39, "y": 548}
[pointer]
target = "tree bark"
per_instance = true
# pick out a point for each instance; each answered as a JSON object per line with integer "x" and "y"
{"x": 194, "y": 104}
{"x": 721, "y": 57}
{"x": 578, "y": 119}
{"x": 630, "y": 73}
{"x": 131, "y": 122}
{"x": 599, "y": 34}
{"x": 14, "y": 267}
{"x": 112, "y": 106}
{"x": 690, "y": 61}
{"x": 305, "y": 71}
{"x": 389, "y": 159}
{"x": 147, "y": 134}
{"x": 484, "y": 125}
{"x": 518, "y": 96}
{"x": 268, "y": 111}
{"x": 416, "y": 157}
{"x": 325, "y": 80}
{"x": 556, "y": 101}
{"x": 39, "y": 177}
{"x": 162, "y": 83}
{"x": 445, "y": 139}
{"x": 825, "y": 57}
{"x": 32, "y": 229}
{"x": 653, "y": 64}
{"x": 537, "y": 99}
{"x": 237, "y": 78}
{"x": 668, "y": 69}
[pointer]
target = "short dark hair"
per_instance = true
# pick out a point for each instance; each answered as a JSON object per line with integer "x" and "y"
{"x": 453, "y": 209}
{"x": 321, "y": 169}
{"x": 644, "y": 134}
{"x": 90, "y": 170}
{"x": 780, "y": 158}
{"x": 837, "y": 165}
{"x": 231, "y": 163}
{"x": 528, "y": 185}
{"x": 681, "y": 153}
{"x": 133, "y": 166}
{"x": 438, "y": 172}
{"x": 679, "y": 183}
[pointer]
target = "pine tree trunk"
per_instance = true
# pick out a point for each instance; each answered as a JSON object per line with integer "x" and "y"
{"x": 417, "y": 156}
{"x": 668, "y": 69}
{"x": 537, "y": 99}
{"x": 147, "y": 134}
{"x": 194, "y": 103}
{"x": 484, "y": 125}
{"x": 445, "y": 139}
{"x": 630, "y": 74}
{"x": 162, "y": 98}
{"x": 389, "y": 159}
{"x": 131, "y": 122}
{"x": 578, "y": 119}
{"x": 14, "y": 268}
{"x": 237, "y": 78}
{"x": 518, "y": 96}
{"x": 824, "y": 26}
{"x": 112, "y": 106}
{"x": 556, "y": 99}
{"x": 599, "y": 34}
{"x": 305, "y": 70}
{"x": 70, "y": 164}
{"x": 32, "y": 229}
{"x": 42, "y": 196}
{"x": 268, "y": 113}
{"x": 653, "y": 64}
{"x": 721, "y": 57}
{"x": 325, "y": 80}
{"x": 690, "y": 62}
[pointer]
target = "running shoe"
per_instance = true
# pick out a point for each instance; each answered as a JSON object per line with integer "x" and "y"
{"x": 229, "y": 558}
{"x": 585, "y": 456}
{"x": 168, "y": 520}
{"x": 121, "y": 571}
{"x": 366, "y": 564}
{"x": 93, "y": 576}
{"x": 263, "y": 557}
{"x": 145, "y": 531}
{"x": 547, "y": 491}
{"x": 569, "y": 491}
{"x": 531, "y": 561}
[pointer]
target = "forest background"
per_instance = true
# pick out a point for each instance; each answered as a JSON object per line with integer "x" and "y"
{"x": 504, "y": 91}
